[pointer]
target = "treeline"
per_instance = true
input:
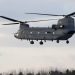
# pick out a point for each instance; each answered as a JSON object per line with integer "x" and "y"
{"x": 56, "y": 72}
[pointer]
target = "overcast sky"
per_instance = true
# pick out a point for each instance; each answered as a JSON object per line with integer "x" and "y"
{"x": 17, "y": 54}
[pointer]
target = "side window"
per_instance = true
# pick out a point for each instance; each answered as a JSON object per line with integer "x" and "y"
{"x": 38, "y": 32}
{"x": 61, "y": 26}
{"x": 45, "y": 32}
{"x": 30, "y": 32}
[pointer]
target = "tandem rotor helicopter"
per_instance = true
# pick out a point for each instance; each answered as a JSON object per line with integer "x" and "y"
{"x": 63, "y": 30}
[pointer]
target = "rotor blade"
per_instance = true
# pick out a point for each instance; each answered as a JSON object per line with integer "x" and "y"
{"x": 10, "y": 24}
{"x": 41, "y": 20}
{"x": 10, "y": 19}
{"x": 71, "y": 14}
{"x": 45, "y": 14}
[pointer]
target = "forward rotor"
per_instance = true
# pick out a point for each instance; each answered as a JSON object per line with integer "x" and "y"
{"x": 21, "y": 22}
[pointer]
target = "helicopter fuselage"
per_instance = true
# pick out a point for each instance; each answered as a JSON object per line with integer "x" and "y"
{"x": 36, "y": 33}
{"x": 62, "y": 31}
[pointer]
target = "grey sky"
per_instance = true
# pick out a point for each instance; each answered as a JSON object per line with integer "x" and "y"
{"x": 17, "y": 8}
{"x": 34, "y": 56}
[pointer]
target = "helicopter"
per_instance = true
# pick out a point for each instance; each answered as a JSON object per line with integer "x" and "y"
{"x": 63, "y": 30}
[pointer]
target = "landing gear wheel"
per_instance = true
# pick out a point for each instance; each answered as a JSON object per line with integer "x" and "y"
{"x": 41, "y": 43}
{"x": 31, "y": 42}
{"x": 57, "y": 41}
{"x": 67, "y": 42}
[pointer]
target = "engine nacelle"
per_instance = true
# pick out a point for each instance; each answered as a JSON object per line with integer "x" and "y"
{"x": 54, "y": 26}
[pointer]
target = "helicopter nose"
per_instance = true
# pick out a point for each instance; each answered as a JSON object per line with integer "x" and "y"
{"x": 16, "y": 35}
